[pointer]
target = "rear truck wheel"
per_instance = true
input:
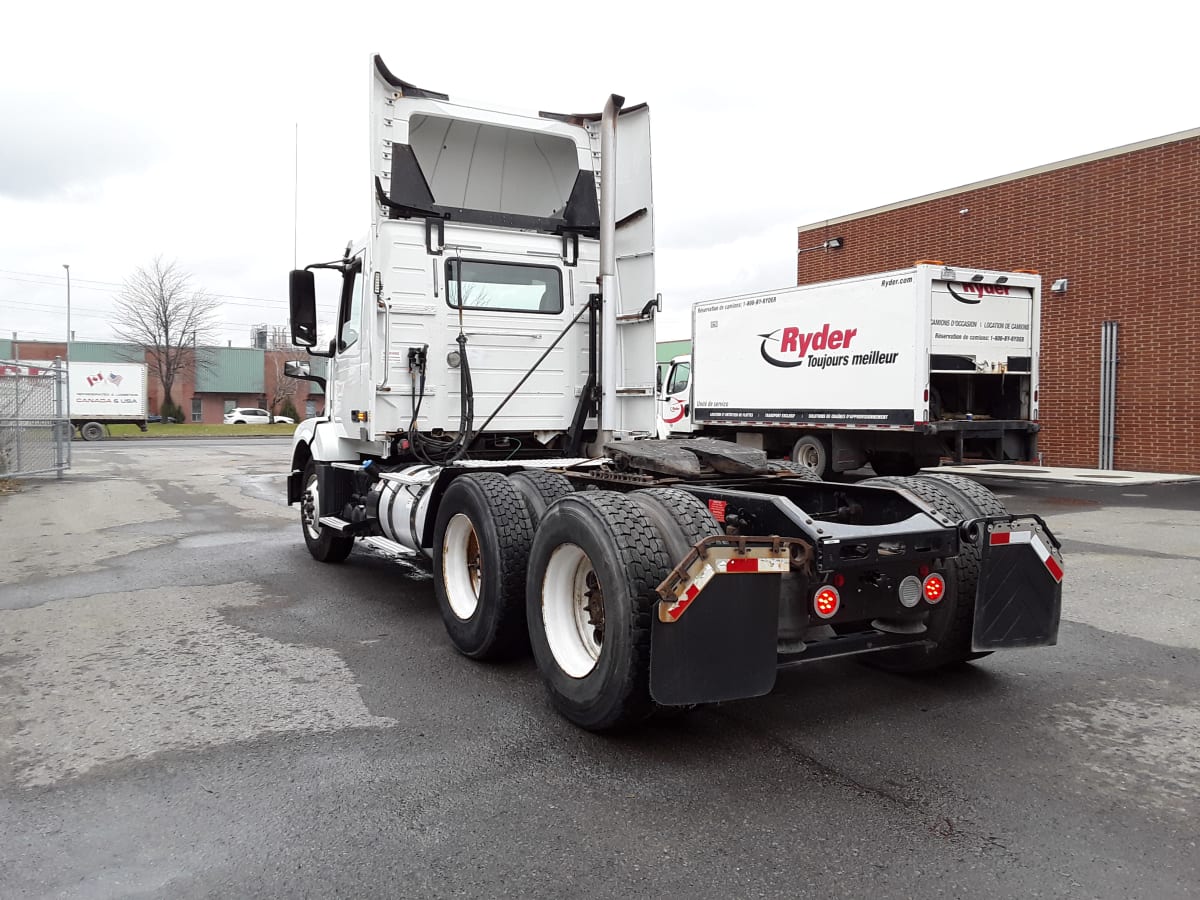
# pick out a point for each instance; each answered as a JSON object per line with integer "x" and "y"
{"x": 812, "y": 452}
{"x": 539, "y": 488}
{"x": 92, "y": 431}
{"x": 481, "y": 543}
{"x": 950, "y": 623}
{"x": 985, "y": 502}
{"x": 596, "y": 561}
{"x": 681, "y": 519}
{"x": 787, "y": 467}
{"x": 325, "y": 544}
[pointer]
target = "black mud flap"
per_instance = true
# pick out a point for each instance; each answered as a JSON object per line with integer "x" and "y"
{"x": 295, "y": 486}
{"x": 722, "y": 648}
{"x": 1019, "y": 601}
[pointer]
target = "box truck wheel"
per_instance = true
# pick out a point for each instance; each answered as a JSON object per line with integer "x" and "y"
{"x": 596, "y": 561}
{"x": 539, "y": 488}
{"x": 951, "y": 621}
{"x": 323, "y": 543}
{"x": 92, "y": 431}
{"x": 481, "y": 544}
{"x": 812, "y": 452}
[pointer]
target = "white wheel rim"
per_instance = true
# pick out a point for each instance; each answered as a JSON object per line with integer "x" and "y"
{"x": 808, "y": 456}
{"x": 573, "y": 611}
{"x": 310, "y": 509}
{"x": 462, "y": 566}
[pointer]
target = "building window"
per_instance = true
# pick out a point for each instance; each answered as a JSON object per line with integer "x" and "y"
{"x": 230, "y": 406}
{"x": 197, "y": 409}
{"x": 310, "y": 408}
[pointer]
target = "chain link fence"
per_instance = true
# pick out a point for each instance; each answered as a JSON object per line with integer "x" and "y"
{"x": 35, "y": 433}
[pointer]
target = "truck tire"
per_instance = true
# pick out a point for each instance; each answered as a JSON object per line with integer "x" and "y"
{"x": 596, "y": 561}
{"x": 812, "y": 452}
{"x": 786, "y": 467}
{"x": 951, "y": 622}
{"x": 539, "y": 488}
{"x": 481, "y": 543}
{"x": 965, "y": 489}
{"x": 681, "y": 519}
{"x": 324, "y": 544}
{"x": 92, "y": 431}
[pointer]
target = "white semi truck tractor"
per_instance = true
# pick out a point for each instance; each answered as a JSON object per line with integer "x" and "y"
{"x": 491, "y": 404}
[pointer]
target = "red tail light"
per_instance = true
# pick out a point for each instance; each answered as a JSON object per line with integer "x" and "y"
{"x": 827, "y": 601}
{"x": 934, "y": 587}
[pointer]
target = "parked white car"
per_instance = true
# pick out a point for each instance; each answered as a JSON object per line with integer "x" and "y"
{"x": 250, "y": 416}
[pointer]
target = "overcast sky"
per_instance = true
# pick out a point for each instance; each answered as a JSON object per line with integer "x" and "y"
{"x": 128, "y": 130}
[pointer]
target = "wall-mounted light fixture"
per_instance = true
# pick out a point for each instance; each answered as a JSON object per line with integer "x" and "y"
{"x": 1059, "y": 286}
{"x": 832, "y": 244}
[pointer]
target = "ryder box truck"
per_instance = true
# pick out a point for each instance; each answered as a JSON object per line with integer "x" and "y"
{"x": 897, "y": 369}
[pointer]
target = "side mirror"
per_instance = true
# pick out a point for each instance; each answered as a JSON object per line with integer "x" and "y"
{"x": 302, "y": 297}
{"x": 295, "y": 368}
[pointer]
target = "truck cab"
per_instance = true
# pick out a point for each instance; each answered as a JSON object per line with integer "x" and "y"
{"x": 674, "y": 398}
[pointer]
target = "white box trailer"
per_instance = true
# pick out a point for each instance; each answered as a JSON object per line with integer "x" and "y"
{"x": 897, "y": 368}
{"x": 106, "y": 394}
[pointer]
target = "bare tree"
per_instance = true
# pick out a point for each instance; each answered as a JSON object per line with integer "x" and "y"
{"x": 167, "y": 319}
{"x": 282, "y": 387}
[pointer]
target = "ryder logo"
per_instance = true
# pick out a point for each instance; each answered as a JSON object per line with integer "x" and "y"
{"x": 967, "y": 289}
{"x": 787, "y": 347}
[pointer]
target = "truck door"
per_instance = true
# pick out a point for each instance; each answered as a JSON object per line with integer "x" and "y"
{"x": 674, "y": 403}
{"x": 352, "y": 391}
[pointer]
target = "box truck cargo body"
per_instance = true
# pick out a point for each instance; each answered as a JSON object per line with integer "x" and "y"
{"x": 898, "y": 369}
{"x": 106, "y": 394}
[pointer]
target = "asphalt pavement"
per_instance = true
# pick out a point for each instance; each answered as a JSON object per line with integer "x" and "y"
{"x": 190, "y": 706}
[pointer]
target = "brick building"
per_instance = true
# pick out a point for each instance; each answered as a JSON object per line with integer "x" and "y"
{"x": 1123, "y": 228}
{"x": 229, "y": 377}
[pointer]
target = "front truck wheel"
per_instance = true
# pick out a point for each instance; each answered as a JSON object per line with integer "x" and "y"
{"x": 950, "y": 623}
{"x": 481, "y": 543}
{"x": 596, "y": 561}
{"x": 323, "y": 543}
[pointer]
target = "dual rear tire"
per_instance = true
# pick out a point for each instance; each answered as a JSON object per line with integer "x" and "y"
{"x": 522, "y": 561}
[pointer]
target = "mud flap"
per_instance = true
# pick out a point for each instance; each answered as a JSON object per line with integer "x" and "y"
{"x": 1019, "y": 600}
{"x": 724, "y": 648}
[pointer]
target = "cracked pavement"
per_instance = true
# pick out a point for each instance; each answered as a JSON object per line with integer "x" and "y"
{"x": 191, "y": 706}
